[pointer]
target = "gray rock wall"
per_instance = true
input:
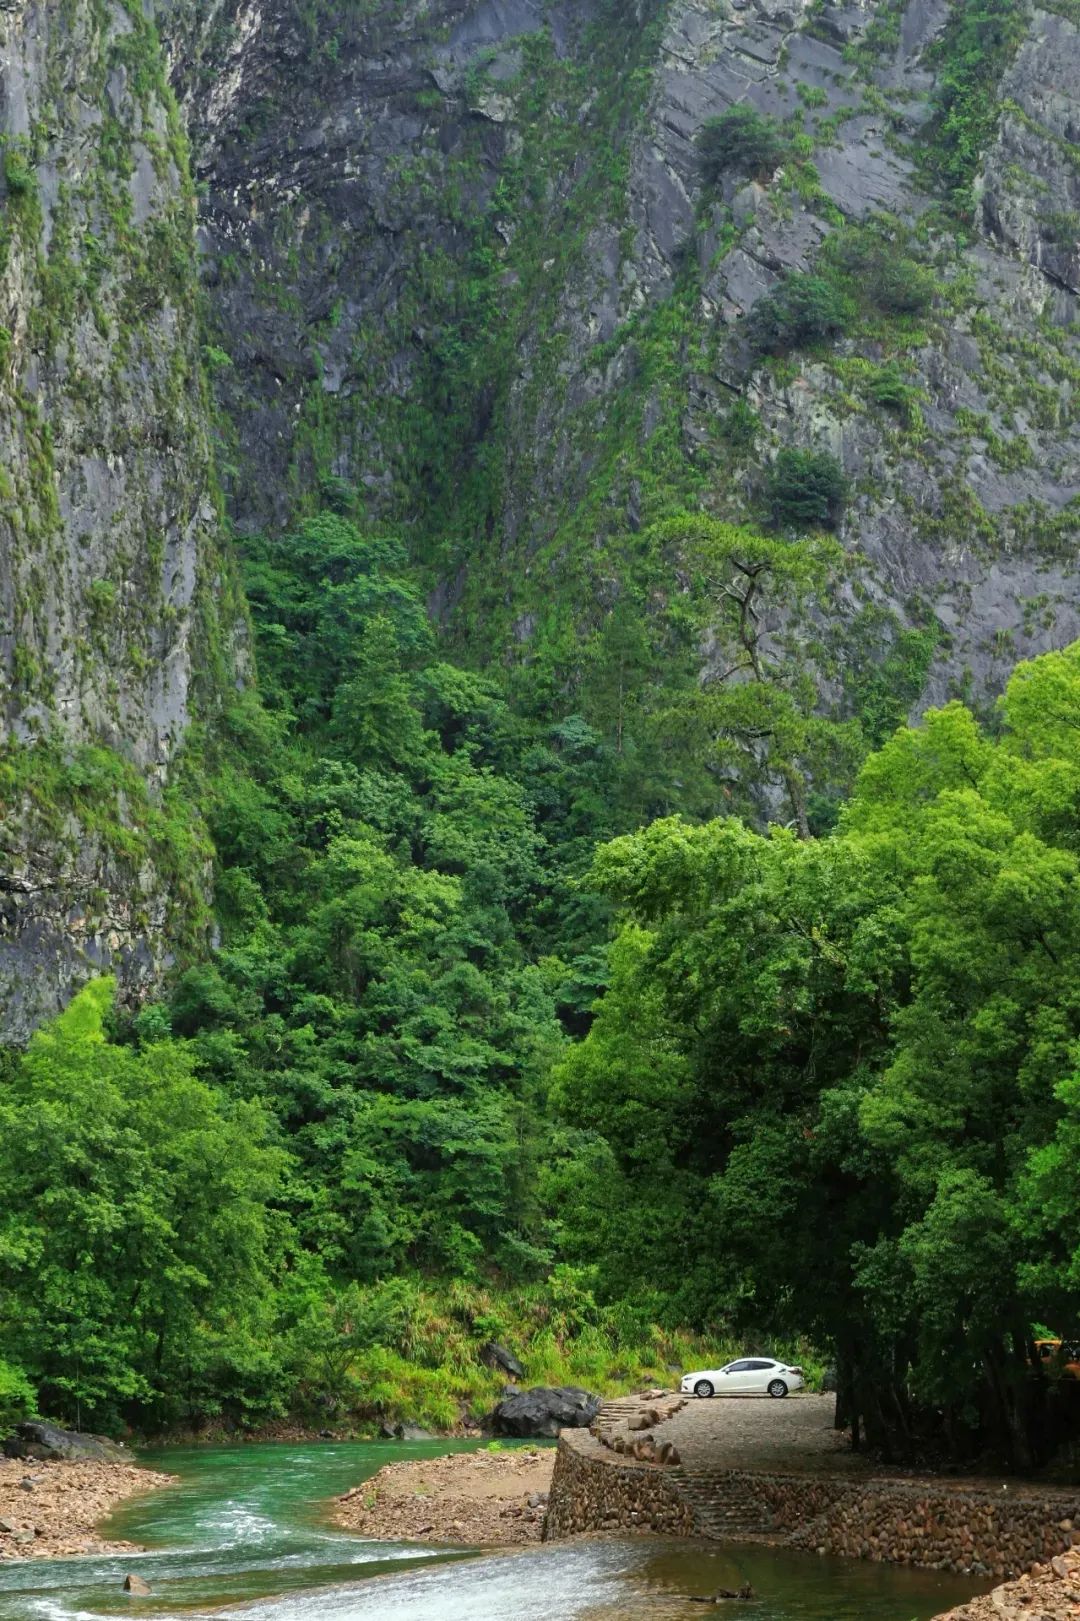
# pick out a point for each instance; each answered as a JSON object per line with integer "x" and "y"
{"x": 113, "y": 597}
{"x": 355, "y": 171}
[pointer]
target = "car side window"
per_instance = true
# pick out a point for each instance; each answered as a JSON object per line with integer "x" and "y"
{"x": 738, "y": 1367}
{"x": 759, "y": 1367}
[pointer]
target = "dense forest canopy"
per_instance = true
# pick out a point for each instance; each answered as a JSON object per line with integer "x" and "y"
{"x": 828, "y": 1092}
{"x": 838, "y": 1077}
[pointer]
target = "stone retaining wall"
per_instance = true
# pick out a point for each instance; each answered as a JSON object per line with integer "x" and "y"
{"x": 591, "y": 1490}
{"x": 969, "y": 1528}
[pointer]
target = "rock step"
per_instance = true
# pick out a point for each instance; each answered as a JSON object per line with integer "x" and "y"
{"x": 718, "y": 1504}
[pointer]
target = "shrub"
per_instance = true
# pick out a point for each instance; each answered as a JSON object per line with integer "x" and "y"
{"x": 18, "y": 171}
{"x": 802, "y": 309}
{"x": 888, "y": 387}
{"x": 874, "y": 261}
{"x": 16, "y": 1395}
{"x": 806, "y": 489}
{"x": 740, "y": 425}
{"x": 743, "y": 140}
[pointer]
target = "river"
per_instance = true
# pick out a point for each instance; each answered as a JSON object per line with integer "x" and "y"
{"x": 244, "y": 1527}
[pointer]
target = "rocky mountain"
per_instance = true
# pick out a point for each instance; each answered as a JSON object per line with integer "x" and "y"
{"x": 467, "y": 271}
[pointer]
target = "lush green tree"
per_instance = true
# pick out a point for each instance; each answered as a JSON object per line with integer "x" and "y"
{"x": 803, "y": 309}
{"x": 754, "y": 712}
{"x": 137, "y": 1241}
{"x": 869, "y": 1050}
{"x": 742, "y": 140}
{"x": 805, "y": 490}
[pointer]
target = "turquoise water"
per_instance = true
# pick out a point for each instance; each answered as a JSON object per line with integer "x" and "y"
{"x": 244, "y": 1527}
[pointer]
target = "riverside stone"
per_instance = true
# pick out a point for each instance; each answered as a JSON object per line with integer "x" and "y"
{"x": 35, "y": 1439}
{"x": 544, "y": 1411}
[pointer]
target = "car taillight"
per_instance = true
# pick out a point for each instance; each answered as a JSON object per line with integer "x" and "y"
{"x": 795, "y": 1370}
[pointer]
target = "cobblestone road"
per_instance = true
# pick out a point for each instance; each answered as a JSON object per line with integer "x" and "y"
{"x": 756, "y": 1432}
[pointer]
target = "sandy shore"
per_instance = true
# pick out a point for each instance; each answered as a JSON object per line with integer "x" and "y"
{"x": 57, "y": 1510}
{"x": 478, "y": 1499}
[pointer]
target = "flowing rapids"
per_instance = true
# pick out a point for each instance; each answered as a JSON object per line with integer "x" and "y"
{"x": 246, "y": 1527}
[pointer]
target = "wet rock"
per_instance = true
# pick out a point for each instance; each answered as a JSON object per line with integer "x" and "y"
{"x": 135, "y": 1584}
{"x": 404, "y": 1432}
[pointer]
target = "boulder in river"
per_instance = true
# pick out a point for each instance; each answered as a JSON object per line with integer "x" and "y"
{"x": 35, "y": 1439}
{"x": 405, "y": 1432}
{"x": 135, "y": 1584}
{"x": 544, "y": 1411}
{"x": 497, "y": 1356}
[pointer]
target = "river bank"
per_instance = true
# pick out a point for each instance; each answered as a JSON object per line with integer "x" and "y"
{"x": 478, "y": 1499}
{"x": 48, "y": 1510}
{"x": 1046, "y": 1593}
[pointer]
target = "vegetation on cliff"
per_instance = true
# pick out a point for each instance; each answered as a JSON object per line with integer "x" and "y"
{"x": 619, "y": 513}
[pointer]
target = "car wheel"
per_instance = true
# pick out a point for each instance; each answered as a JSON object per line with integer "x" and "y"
{"x": 703, "y": 1388}
{"x": 777, "y": 1388}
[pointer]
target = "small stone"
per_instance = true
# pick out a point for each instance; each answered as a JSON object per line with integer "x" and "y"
{"x": 7, "y": 1528}
{"x": 26, "y": 1484}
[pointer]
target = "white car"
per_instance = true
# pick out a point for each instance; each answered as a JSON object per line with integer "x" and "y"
{"x": 750, "y": 1376}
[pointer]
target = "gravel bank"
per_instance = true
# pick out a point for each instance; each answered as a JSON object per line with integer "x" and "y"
{"x": 1047, "y": 1593}
{"x": 477, "y": 1499}
{"x": 57, "y": 1509}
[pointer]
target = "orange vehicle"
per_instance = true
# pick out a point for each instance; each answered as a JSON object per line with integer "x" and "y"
{"x": 1059, "y": 1357}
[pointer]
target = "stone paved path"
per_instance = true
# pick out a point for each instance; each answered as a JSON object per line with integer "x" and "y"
{"x": 795, "y": 1435}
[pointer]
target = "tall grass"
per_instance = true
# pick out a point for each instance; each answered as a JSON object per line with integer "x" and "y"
{"x": 425, "y": 1362}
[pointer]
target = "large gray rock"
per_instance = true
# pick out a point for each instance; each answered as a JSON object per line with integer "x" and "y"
{"x": 497, "y": 1356}
{"x": 544, "y": 1411}
{"x": 43, "y": 1441}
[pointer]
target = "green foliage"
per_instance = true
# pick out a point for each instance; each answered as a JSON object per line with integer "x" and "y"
{"x": 17, "y": 1397}
{"x": 978, "y": 43}
{"x": 801, "y": 311}
{"x": 393, "y": 851}
{"x": 19, "y": 174}
{"x": 138, "y": 1240}
{"x": 753, "y": 715}
{"x": 805, "y": 490}
{"x": 739, "y": 427}
{"x": 888, "y": 387}
{"x": 867, "y": 1041}
{"x": 874, "y": 265}
{"x": 352, "y": 1091}
{"x": 742, "y": 140}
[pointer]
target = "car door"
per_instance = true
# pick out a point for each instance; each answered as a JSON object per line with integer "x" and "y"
{"x": 736, "y": 1378}
{"x": 759, "y": 1374}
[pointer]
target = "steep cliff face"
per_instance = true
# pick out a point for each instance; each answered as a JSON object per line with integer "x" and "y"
{"x": 464, "y": 275}
{"x": 109, "y": 575}
{"x": 462, "y": 257}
